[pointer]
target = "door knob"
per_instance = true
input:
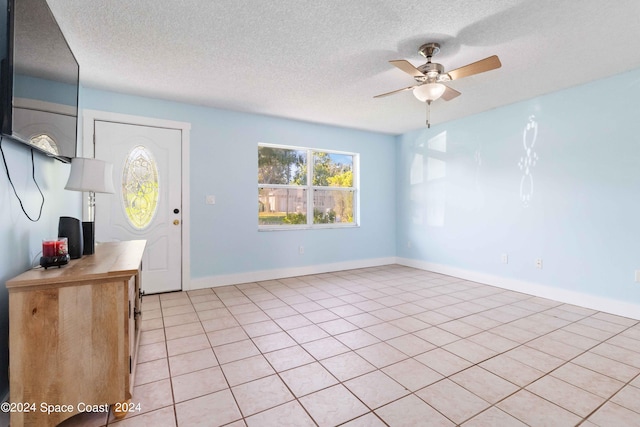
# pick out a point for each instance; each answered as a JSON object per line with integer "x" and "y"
{"x": 176, "y": 221}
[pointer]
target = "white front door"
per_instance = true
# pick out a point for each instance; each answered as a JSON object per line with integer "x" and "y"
{"x": 147, "y": 175}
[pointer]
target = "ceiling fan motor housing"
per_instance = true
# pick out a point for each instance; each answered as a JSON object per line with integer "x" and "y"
{"x": 431, "y": 70}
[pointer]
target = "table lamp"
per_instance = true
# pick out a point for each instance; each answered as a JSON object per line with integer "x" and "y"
{"x": 92, "y": 176}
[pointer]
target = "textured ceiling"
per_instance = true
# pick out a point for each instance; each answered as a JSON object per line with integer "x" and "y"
{"x": 324, "y": 60}
{"x": 41, "y": 53}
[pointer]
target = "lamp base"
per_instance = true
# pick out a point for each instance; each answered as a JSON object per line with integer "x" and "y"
{"x": 88, "y": 234}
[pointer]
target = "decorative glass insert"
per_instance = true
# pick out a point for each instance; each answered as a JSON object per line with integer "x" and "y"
{"x": 140, "y": 187}
{"x": 46, "y": 143}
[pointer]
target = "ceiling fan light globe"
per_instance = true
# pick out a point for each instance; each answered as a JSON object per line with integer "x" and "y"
{"x": 429, "y": 92}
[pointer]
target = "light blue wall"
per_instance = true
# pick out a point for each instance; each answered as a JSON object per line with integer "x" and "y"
{"x": 223, "y": 162}
{"x": 465, "y": 206}
{"x": 44, "y": 90}
{"x": 21, "y": 239}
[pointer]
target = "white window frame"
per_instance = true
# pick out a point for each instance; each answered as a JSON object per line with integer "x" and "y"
{"x": 310, "y": 189}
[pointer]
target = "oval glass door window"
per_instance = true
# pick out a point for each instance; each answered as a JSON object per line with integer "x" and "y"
{"x": 45, "y": 142}
{"x": 140, "y": 187}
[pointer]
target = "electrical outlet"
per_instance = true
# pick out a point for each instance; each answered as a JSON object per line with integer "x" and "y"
{"x": 505, "y": 259}
{"x": 637, "y": 275}
{"x": 539, "y": 263}
{"x": 210, "y": 200}
{"x": 301, "y": 250}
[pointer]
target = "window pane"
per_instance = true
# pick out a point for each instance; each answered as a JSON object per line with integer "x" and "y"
{"x": 332, "y": 206}
{"x": 332, "y": 170}
{"x": 282, "y": 206}
{"x": 140, "y": 187}
{"x": 282, "y": 166}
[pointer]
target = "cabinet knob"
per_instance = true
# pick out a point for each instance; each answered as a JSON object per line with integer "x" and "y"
{"x": 176, "y": 221}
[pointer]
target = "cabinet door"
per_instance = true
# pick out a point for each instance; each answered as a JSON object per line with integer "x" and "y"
{"x": 66, "y": 347}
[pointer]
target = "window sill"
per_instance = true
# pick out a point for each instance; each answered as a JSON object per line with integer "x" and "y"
{"x": 305, "y": 227}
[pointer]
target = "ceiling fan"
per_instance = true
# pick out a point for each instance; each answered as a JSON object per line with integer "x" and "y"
{"x": 431, "y": 76}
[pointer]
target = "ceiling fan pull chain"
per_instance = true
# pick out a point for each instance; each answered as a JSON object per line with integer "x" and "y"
{"x": 428, "y": 114}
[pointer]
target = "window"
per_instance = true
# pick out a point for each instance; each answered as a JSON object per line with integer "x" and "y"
{"x": 140, "y": 187}
{"x": 304, "y": 188}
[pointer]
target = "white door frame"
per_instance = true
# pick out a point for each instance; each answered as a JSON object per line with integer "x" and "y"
{"x": 89, "y": 117}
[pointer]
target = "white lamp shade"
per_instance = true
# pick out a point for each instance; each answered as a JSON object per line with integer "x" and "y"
{"x": 429, "y": 91}
{"x": 90, "y": 175}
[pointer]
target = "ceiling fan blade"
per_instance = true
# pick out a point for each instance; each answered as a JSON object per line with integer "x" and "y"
{"x": 449, "y": 94}
{"x": 486, "y": 64}
{"x": 407, "y": 67}
{"x": 395, "y": 91}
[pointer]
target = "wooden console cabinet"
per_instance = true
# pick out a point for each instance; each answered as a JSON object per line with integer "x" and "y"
{"x": 73, "y": 334}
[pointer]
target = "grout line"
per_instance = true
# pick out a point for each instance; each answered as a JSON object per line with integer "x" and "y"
{"x": 287, "y": 288}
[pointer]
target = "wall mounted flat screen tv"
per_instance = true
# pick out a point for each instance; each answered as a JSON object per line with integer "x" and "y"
{"x": 40, "y": 79}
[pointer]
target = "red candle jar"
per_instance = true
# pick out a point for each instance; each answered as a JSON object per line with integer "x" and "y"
{"x": 62, "y": 248}
{"x": 49, "y": 248}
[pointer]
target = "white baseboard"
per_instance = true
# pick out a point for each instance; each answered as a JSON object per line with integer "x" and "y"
{"x": 607, "y": 305}
{"x": 281, "y": 273}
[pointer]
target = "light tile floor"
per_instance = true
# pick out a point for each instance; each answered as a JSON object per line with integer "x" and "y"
{"x": 380, "y": 346}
